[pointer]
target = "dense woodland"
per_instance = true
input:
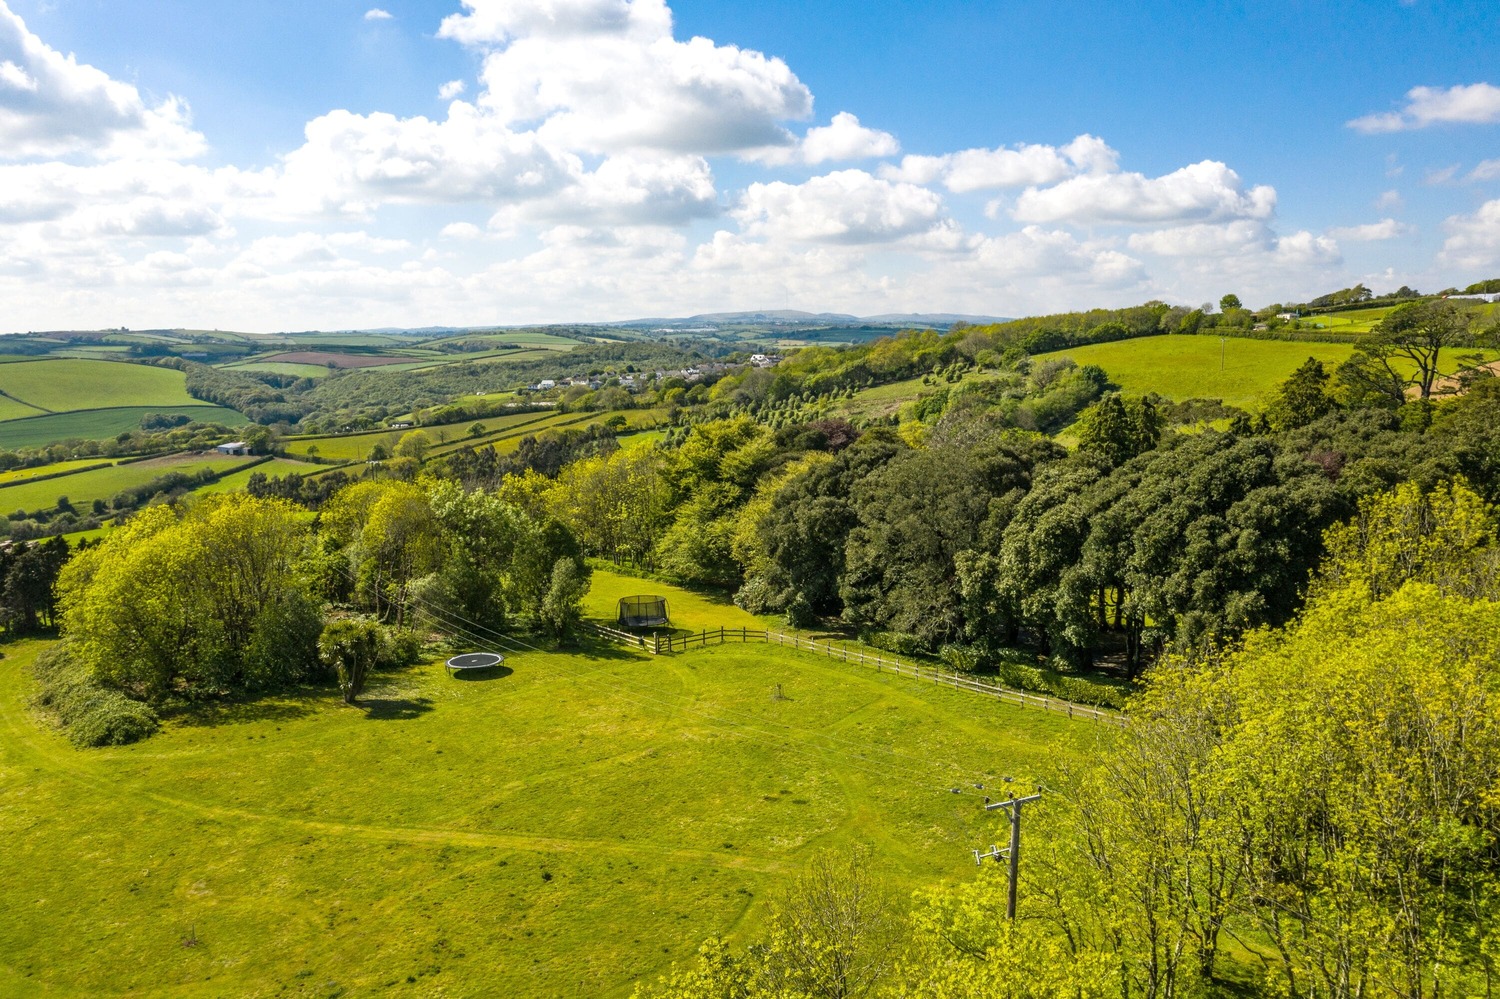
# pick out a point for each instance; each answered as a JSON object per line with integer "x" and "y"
{"x": 1304, "y": 601}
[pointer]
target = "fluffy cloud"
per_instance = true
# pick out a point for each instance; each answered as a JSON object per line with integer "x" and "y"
{"x": 1205, "y": 239}
{"x": 52, "y": 105}
{"x": 1372, "y": 232}
{"x": 376, "y": 14}
{"x": 1203, "y": 192}
{"x": 353, "y": 163}
{"x": 847, "y": 206}
{"x": 607, "y": 76}
{"x": 1473, "y": 241}
{"x": 843, "y": 139}
{"x": 1471, "y": 104}
{"x": 1035, "y": 252}
{"x": 1019, "y": 166}
{"x": 625, "y": 190}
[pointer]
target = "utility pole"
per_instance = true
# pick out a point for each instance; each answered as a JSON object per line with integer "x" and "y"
{"x": 1222, "y": 342}
{"x": 1012, "y": 853}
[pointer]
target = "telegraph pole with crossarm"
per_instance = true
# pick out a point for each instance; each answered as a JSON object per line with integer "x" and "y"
{"x": 1012, "y": 808}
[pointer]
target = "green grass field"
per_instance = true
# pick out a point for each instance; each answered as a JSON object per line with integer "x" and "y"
{"x": 11, "y": 409}
{"x": 82, "y": 488}
{"x": 271, "y": 469}
{"x": 18, "y": 475}
{"x": 97, "y": 424}
{"x": 1353, "y": 321}
{"x": 567, "y": 829}
{"x": 1189, "y": 367}
{"x": 356, "y": 447}
{"x": 282, "y": 368}
{"x": 70, "y": 383}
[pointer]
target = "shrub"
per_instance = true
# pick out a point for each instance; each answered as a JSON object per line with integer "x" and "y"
{"x": 93, "y": 715}
{"x": 964, "y": 658}
{"x": 398, "y": 647}
{"x": 898, "y": 642}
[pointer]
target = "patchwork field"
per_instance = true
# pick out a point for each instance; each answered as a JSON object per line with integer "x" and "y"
{"x": 568, "y": 828}
{"x": 271, "y": 469}
{"x": 96, "y": 424}
{"x": 82, "y": 488}
{"x": 64, "y": 384}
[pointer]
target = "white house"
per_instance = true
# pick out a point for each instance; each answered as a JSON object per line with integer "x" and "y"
{"x": 233, "y": 447}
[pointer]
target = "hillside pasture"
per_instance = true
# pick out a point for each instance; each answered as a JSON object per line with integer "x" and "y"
{"x": 356, "y": 447}
{"x": 1189, "y": 367}
{"x": 271, "y": 469}
{"x": 12, "y": 409}
{"x": 330, "y": 359}
{"x": 63, "y": 384}
{"x": 97, "y": 424}
{"x": 569, "y": 828}
{"x": 82, "y": 488}
{"x": 282, "y": 368}
{"x": 57, "y": 468}
{"x": 1352, "y": 321}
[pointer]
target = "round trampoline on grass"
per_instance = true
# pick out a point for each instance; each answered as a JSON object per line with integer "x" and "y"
{"x": 474, "y": 661}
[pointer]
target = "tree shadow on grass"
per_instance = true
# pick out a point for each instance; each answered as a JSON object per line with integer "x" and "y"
{"x": 277, "y": 708}
{"x": 395, "y": 708}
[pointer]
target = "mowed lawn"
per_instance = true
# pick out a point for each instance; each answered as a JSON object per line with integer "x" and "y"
{"x": 82, "y": 488}
{"x": 570, "y": 828}
{"x": 1191, "y": 367}
{"x": 74, "y": 383}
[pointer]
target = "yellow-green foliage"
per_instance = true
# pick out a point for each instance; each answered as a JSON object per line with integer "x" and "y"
{"x": 175, "y": 600}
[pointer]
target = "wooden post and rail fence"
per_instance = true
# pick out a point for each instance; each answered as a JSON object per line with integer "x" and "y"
{"x": 666, "y": 645}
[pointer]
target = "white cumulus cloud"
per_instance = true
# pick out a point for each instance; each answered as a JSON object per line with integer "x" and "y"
{"x": 1203, "y": 192}
{"x": 53, "y": 105}
{"x": 846, "y": 206}
{"x": 1022, "y": 165}
{"x": 1473, "y": 241}
{"x": 1465, "y": 104}
{"x": 451, "y": 89}
{"x": 606, "y": 76}
{"x": 377, "y": 14}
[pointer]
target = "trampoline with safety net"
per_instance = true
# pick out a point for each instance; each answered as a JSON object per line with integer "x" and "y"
{"x": 645, "y": 611}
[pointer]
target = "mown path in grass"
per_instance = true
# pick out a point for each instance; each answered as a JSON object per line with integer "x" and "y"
{"x": 566, "y": 829}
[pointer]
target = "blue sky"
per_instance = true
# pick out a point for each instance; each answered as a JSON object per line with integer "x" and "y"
{"x": 284, "y": 166}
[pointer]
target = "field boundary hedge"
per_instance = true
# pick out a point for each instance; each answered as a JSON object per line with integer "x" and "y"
{"x": 58, "y": 475}
{"x": 657, "y": 645}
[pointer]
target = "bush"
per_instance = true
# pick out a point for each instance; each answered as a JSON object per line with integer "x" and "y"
{"x": 898, "y": 642}
{"x": 108, "y": 718}
{"x": 398, "y": 647}
{"x": 964, "y": 658}
{"x": 93, "y": 715}
{"x": 1023, "y": 676}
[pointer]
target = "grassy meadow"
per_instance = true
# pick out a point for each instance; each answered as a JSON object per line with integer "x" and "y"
{"x": 82, "y": 488}
{"x": 567, "y": 828}
{"x": 1189, "y": 367}
{"x": 73, "y": 383}
{"x": 96, "y": 424}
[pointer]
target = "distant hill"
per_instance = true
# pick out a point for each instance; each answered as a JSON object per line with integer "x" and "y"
{"x": 932, "y": 319}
